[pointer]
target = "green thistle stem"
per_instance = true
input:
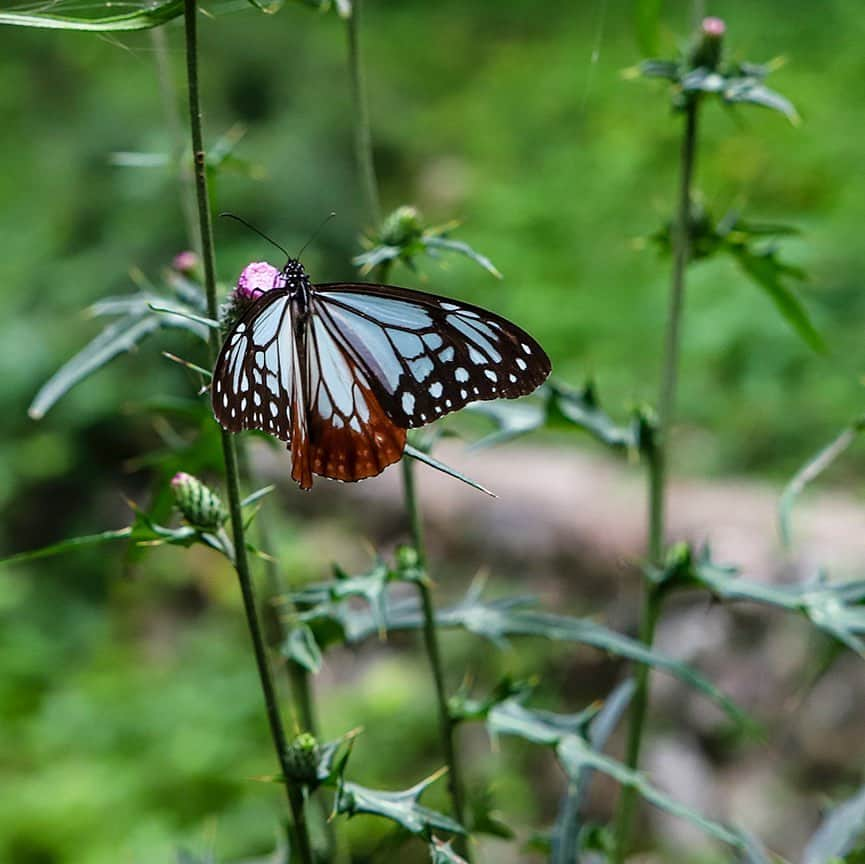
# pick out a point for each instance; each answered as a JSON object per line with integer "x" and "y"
{"x": 447, "y": 729}
{"x": 652, "y": 599}
{"x": 301, "y": 843}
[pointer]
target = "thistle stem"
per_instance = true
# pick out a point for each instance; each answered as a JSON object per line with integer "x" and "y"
{"x": 652, "y": 598}
{"x": 366, "y": 167}
{"x": 447, "y": 728}
{"x": 174, "y": 124}
{"x": 362, "y": 133}
{"x": 301, "y": 843}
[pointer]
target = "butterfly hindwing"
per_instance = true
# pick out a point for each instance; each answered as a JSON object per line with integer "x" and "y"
{"x": 350, "y": 436}
{"x": 425, "y": 356}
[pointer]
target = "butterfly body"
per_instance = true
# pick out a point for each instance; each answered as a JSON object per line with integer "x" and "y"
{"x": 340, "y": 371}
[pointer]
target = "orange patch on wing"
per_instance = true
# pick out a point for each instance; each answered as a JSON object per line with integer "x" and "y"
{"x": 341, "y": 452}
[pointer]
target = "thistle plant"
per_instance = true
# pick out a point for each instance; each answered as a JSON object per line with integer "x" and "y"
{"x": 396, "y": 594}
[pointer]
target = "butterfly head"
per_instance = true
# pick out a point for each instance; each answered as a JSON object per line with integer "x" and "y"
{"x": 294, "y": 276}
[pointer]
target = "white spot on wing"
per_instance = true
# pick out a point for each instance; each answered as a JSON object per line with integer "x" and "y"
{"x": 408, "y": 403}
{"x": 461, "y": 374}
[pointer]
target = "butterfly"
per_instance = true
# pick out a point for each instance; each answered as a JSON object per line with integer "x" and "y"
{"x": 339, "y": 371}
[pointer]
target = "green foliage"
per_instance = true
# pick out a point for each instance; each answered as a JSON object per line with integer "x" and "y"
{"x": 140, "y": 314}
{"x": 568, "y": 737}
{"x": 97, "y": 17}
{"x": 837, "y": 610}
{"x": 403, "y": 808}
{"x": 334, "y": 620}
{"x": 753, "y": 246}
{"x": 403, "y": 237}
{"x": 560, "y": 407}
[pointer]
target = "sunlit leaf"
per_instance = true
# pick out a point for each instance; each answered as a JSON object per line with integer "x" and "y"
{"x": 839, "y": 832}
{"x": 68, "y": 545}
{"x": 86, "y": 15}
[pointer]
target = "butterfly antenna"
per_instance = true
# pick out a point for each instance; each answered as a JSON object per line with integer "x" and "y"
{"x": 316, "y": 232}
{"x": 256, "y": 230}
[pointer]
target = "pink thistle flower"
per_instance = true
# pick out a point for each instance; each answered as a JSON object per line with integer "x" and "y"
{"x": 256, "y": 279}
{"x": 714, "y": 27}
{"x": 185, "y": 262}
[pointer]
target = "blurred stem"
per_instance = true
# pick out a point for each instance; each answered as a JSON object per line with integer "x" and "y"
{"x": 652, "y": 598}
{"x": 274, "y": 625}
{"x": 447, "y": 727}
{"x": 232, "y": 480}
{"x": 362, "y": 135}
{"x": 366, "y": 167}
{"x": 178, "y": 140}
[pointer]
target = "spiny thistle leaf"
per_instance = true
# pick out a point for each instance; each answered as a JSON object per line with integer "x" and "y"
{"x": 402, "y": 808}
{"x": 301, "y": 647}
{"x": 567, "y": 736}
{"x": 496, "y": 620}
{"x": 78, "y": 15}
{"x": 838, "y": 610}
{"x": 566, "y": 833}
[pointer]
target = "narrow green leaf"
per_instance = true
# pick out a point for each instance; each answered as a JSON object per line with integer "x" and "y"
{"x": 768, "y": 272}
{"x": 185, "y": 314}
{"x": 462, "y": 248}
{"x": 257, "y": 495}
{"x": 116, "y": 338}
{"x": 811, "y": 470}
{"x": 78, "y": 15}
{"x": 445, "y": 469}
{"x": 68, "y": 545}
{"x": 839, "y": 832}
{"x": 753, "y": 91}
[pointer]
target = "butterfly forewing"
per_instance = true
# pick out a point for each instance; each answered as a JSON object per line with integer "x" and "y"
{"x": 257, "y": 379}
{"x": 425, "y": 356}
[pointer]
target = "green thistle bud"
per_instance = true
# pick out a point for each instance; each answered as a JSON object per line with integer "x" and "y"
{"x": 302, "y": 757}
{"x": 407, "y": 558}
{"x": 402, "y": 227}
{"x": 201, "y": 507}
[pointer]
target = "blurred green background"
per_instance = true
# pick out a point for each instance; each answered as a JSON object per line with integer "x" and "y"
{"x": 130, "y": 715}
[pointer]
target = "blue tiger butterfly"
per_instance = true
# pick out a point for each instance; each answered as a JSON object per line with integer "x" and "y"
{"x": 340, "y": 371}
